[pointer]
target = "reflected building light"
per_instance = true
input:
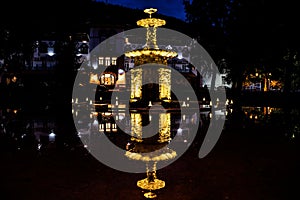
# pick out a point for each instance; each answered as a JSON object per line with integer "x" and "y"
{"x": 114, "y": 127}
{"x": 76, "y": 100}
{"x": 150, "y": 118}
{"x": 183, "y": 117}
{"x": 183, "y": 104}
{"x": 87, "y": 99}
{"x": 72, "y": 111}
{"x": 95, "y": 122}
{"x": 107, "y": 127}
{"x": 150, "y": 103}
{"x": 106, "y": 114}
{"x": 76, "y": 113}
{"x": 210, "y": 103}
{"x": 210, "y": 115}
{"x": 52, "y": 137}
{"x": 95, "y": 114}
{"x": 51, "y": 52}
{"x": 101, "y": 127}
{"x": 72, "y": 100}
{"x": 128, "y": 146}
{"x": 14, "y": 79}
{"x": 91, "y": 102}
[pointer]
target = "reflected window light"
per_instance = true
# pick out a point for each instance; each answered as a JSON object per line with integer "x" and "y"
{"x": 51, "y": 51}
{"x": 114, "y": 127}
{"x": 95, "y": 122}
{"x": 227, "y": 102}
{"x": 101, "y": 127}
{"x": 293, "y": 136}
{"x": 52, "y": 137}
{"x": 107, "y": 127}
{"x": 14, "y": 79}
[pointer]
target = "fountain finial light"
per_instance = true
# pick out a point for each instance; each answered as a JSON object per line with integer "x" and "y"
{"x": 150, "y": 11}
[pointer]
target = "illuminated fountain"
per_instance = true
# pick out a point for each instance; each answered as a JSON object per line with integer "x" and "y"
{"x": 150, "y": 53}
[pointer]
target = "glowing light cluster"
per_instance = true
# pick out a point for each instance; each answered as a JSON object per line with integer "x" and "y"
{"x": 155, "y": 156}
{"x": 151, "y": 52}
{"x": 164, "y": 83}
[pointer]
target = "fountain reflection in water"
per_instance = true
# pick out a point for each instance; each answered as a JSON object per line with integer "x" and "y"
{"x": 151, "y": 150}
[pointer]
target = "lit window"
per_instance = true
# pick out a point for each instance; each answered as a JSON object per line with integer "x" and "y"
{"x": 114, "y": 60}
{"x": 107, "y": 79}
{"x": 94, "y": 79}
{"x": 101, "y": 61}
{"x": 107, "y": 61}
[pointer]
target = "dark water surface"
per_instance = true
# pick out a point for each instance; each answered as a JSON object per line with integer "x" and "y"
{"x": 256, "y": 157}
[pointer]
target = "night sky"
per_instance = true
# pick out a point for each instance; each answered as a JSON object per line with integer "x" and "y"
{"x": 173, "y": 8}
